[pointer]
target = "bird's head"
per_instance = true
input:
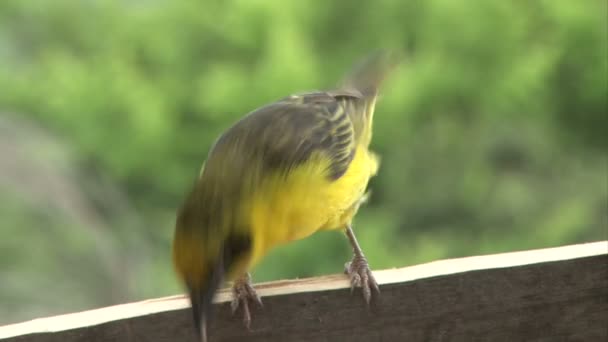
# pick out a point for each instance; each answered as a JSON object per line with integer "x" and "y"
{"x": 207, "y": 250}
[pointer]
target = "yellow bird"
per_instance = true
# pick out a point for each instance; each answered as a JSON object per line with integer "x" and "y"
{"x": 281, "y": 173}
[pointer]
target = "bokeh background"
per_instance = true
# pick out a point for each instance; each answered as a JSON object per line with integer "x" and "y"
{"x": 493, "y": 133}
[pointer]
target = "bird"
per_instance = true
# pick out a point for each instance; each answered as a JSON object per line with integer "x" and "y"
{"x": 281, "y": 173}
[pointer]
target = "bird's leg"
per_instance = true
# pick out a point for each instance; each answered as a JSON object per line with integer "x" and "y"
{"x": 358, "y": 269}
{"x": 243, "y": 292}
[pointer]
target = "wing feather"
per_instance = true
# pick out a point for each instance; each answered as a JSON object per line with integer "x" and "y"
{"x": 286, "y": 133}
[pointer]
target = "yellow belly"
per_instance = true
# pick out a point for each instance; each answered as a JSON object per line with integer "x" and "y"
{"x": 305, "y": 201}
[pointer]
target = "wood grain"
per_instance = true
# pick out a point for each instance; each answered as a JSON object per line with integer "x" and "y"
{"x": 556, "y": 294}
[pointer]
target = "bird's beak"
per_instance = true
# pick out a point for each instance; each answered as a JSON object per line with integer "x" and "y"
{"x": 200, "y": 309}
{"x": 201, "y": 299}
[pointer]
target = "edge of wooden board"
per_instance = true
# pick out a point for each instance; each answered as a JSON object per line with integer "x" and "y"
{"x": 323, "y": 283}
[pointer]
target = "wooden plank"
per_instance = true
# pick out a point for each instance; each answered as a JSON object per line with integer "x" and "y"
{"x": 542, "y": 295}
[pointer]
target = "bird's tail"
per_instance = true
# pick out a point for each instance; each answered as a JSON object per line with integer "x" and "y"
{"x": 365, "y": 79}
{"x": 367, "y": 76}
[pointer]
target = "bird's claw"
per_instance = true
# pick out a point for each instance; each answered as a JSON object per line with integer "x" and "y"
{"x": 361, "y": 276}
{"x": 243, "y": 292}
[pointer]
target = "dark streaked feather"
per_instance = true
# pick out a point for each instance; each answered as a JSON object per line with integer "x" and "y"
{"x": 285, "y": 134}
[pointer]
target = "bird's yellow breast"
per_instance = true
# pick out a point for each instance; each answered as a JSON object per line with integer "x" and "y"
{"x": 298, "y": 203}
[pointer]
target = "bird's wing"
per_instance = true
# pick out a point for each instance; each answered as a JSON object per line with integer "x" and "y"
{"x": 285, "y": 134}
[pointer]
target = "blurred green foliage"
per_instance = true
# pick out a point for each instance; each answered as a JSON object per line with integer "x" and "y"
{"x": 493, "y": 133}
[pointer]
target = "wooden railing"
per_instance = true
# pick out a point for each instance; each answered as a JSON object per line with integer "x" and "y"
{"x": 555, "y": 294}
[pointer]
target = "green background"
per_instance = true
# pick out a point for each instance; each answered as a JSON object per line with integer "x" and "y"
{"x": 492, "y": 134}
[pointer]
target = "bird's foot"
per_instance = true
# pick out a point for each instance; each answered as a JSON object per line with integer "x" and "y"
{"x": 243, "y": 293}
{"x": 361, "y": 276}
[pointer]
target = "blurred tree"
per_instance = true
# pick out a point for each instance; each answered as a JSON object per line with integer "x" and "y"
{"x": 492, "y": 133}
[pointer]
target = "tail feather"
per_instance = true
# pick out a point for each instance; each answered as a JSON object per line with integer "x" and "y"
{"x": 367, "y": 76}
